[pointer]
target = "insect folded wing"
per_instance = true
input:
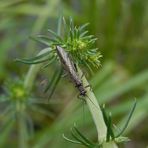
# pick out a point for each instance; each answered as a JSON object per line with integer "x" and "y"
{"x": 69, "y": 66}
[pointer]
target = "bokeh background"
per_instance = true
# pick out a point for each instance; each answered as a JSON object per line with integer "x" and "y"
{"x": 121, "y": 27}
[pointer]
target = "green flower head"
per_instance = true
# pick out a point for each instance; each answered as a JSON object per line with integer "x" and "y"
{"x": 76, "y": 41}
{"x": 15, "y": 90}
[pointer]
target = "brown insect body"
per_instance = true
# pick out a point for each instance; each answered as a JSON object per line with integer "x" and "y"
{"x": 68, "y": 65}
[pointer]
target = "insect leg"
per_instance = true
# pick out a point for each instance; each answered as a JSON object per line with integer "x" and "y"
{"x": 64, "y": 75}
{"x": 81, "y": 98}
{"x": 76, "y": 67}
{"x": 83, "y": 108}
{"x": 89, "y": 87}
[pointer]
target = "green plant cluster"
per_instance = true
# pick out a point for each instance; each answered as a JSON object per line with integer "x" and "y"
{"x": 76, "y": 41}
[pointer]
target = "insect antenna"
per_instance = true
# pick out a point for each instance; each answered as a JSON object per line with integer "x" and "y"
{"x": 83, "y": 108}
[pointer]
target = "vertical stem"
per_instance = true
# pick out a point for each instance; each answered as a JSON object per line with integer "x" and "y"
{"x": 95, "y": 110}
{"x": 22, "y": 127}
{"x": 97, "y": 115}
{"x": 22, "y": 133}
{"x": 33, "y": 71}
{"x": 28, "y": 84}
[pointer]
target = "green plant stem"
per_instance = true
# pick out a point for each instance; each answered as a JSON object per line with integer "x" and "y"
{"x": 96, "y": 113}
{"x": 95, "y": 110}
{"x": 22, "y": 131}
{"x": 22, "y": 127}
{"x": 28, "y": 84}
{"x": 33, "y": 71}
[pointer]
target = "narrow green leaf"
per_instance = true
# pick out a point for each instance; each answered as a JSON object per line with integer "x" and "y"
{"x": 71, "y": 23}
{"x": 75, "y": 142}
{"x": 83, "y": 26}
{"x": 111, "y": 133}
{"x": 87, "y": 37}
{"x": 128, "y": 119}
{"x": 59, "y": 28}
{"x": 65, "y": 26}
{"x": 50, "y": 61}
{"x": 52, "y": 85}
{"x": 55, "y": 35}
{"x": 83, "y": 34}
{"x": 31, "y": 62}
{"x": 78, "y": 139}
{"x": 41, "y": 40}
{"x": 104, "y": 115}
{"x": 47, "y": 40}
{"x": 71, "y": 35}
{"x": 36, "y": 57}
{"x": 82, "y": 136}
{"x": 92, "y": 41}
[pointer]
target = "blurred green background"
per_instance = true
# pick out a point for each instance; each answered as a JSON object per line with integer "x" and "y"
{"x": 121, "y": 27}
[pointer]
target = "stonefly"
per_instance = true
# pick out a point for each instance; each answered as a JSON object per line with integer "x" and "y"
{"x": 70, "y": 68}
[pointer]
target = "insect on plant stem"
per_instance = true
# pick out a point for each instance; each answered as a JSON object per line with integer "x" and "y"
{"x": 71, "y": 69}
